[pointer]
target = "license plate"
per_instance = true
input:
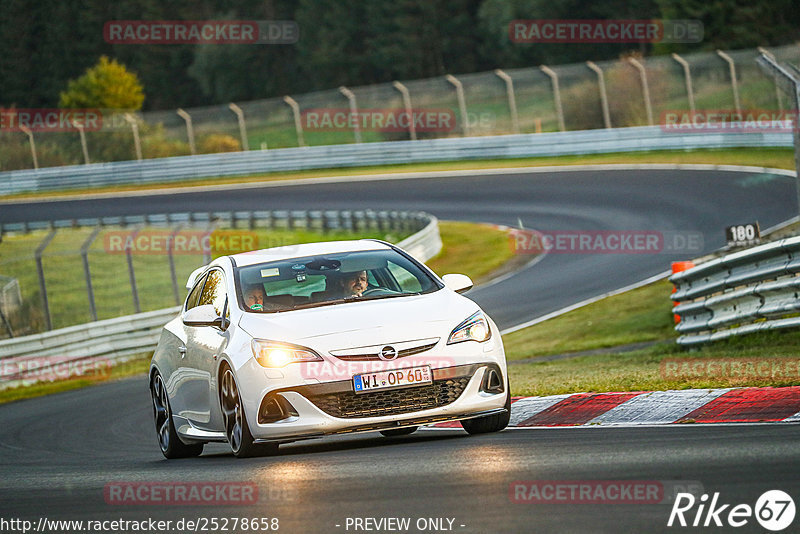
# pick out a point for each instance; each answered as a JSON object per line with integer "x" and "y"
{"x": 396, "y": 378}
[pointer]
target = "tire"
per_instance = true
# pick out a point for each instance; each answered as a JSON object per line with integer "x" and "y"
{"x": 168, "y": 440}
{"x": 236, "y": 428}
{"x": 396, "y": 432}
{"x": 490, "y": 423}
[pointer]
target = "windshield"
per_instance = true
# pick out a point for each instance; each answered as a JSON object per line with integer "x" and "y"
{"x": 330, "y": 279}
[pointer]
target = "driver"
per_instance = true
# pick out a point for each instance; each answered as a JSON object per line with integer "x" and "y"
{"x": 254, "y": 297}
{"x": 353, "y": 284}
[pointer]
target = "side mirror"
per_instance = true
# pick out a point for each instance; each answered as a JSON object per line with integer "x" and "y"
{"x": 458, "y": 282}
{"x": 204, "y": 315}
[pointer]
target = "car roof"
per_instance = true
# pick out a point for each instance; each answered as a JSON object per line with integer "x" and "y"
{"x": 307, "y": 249}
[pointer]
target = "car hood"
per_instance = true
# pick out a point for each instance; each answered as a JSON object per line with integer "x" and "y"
{"x": 364, "y": 323}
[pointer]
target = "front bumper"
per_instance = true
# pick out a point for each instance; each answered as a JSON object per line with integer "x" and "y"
{"x": 457, "y": 392}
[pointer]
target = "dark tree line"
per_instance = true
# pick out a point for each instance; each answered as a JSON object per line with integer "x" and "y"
{"x": 44, "y": 43}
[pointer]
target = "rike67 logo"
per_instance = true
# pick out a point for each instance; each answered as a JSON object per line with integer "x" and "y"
{"x": 774, "y": 510}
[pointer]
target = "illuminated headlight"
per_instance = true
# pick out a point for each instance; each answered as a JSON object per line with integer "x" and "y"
{"x": 272, "y": 354}
{"x": 474, "y": 328}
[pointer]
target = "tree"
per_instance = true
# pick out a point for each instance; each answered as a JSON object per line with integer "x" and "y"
{"x": 107, "y": 85}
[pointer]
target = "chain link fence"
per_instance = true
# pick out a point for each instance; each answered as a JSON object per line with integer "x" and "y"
{"x": 631, "y": 91}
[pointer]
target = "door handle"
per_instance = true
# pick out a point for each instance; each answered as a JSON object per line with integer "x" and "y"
{"x": 182, "y": 350}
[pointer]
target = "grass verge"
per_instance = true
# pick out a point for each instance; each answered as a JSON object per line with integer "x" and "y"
{"x": 641, "y": 315}
{"x": 780, "y": 158}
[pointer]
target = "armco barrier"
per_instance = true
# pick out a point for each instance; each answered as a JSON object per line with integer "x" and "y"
{"x": 177, "y": 169}
{"x": 116, "y": 340}
{"x": 747, "y": 291}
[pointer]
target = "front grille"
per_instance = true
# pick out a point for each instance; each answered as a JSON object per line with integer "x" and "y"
{"x": 347, "y": 404}
{"x": 374, "y": 357}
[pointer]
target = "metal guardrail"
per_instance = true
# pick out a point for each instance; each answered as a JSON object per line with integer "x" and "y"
{"x": 29, "y": 359}
{"x": 177, "y": 169}
{"x": 747, "y": 291}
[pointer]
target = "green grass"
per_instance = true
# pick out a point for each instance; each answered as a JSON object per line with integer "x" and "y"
{"x": 781, "y": 158}
{"x": 640, "y": 315}
{"x": 476, "y": 250}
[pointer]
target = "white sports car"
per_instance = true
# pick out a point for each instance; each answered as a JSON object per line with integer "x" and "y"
{"x": 297, "y": 342}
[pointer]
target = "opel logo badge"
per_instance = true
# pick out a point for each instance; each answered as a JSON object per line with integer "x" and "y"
{"x": 387, "y": 353}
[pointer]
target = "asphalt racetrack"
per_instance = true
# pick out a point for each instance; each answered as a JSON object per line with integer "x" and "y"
{"x": 60, "y": 452}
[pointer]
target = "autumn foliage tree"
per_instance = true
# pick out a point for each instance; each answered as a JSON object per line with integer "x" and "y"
{"x": 107, "y": 85}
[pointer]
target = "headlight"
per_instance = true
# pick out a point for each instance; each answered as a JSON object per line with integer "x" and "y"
{"x": 474, "y": 328}
{"x": 273, "y": 354}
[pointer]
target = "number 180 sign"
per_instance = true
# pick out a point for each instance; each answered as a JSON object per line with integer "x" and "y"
{"x": 740, "y": 235}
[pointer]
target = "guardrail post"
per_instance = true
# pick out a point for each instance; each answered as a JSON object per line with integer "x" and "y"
{"x": 556, "y": 95}
{"x": 512, "y": 100}
{"x": 412, "y": 129}
{"x": 83, "y": 143}
{"x": 601, "y": 82}
{"x": 242, "y": 126}
{"x": 734, "y": 85}
{"x": 131, "y": 273}
{"x": 298, "y": 123}
{"x": 189, "y": 129}
{"x": 688, "y": 77}
{"x": 645, "y": 88}
{"x": 87, "y": 273}
{"x": 6, "y": 323}
{"x": 351, "y": 98}
{"x": 137, "y": 145}
{"x": 40, "y": 271}
{"x": 462, "y": 103}
{"x": 29, "y": 133}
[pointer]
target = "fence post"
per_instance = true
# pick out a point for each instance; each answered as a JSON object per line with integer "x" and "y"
{"x": 778, "y": 95}
{"x": 790, "y": 81}
{"x": 137, "y": 145}
{"x": 734, "y": 85}
{"x": 83, "y": 143}
{"x": 242, "y": 126}
{"x": 351, "y": 98}
{"x": 601, "y": 81}
{"x": 189, "y": 129}
{"x": 556, "y": 95}
{"x": 512, "y": 100}
{"x": 688, "y": 77}
{"x": 132, "y": 274}
{"x": 29, "y": 133}
{"x": 171, "y": 259}
{"x": 87, "y": 273}
{"x": 645, "y": 89}
{"x": 298, "y": 124}
{"x": 412, "y": 129}
{"x": 462, "y": 103}
{"x": 40, "y": 271}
